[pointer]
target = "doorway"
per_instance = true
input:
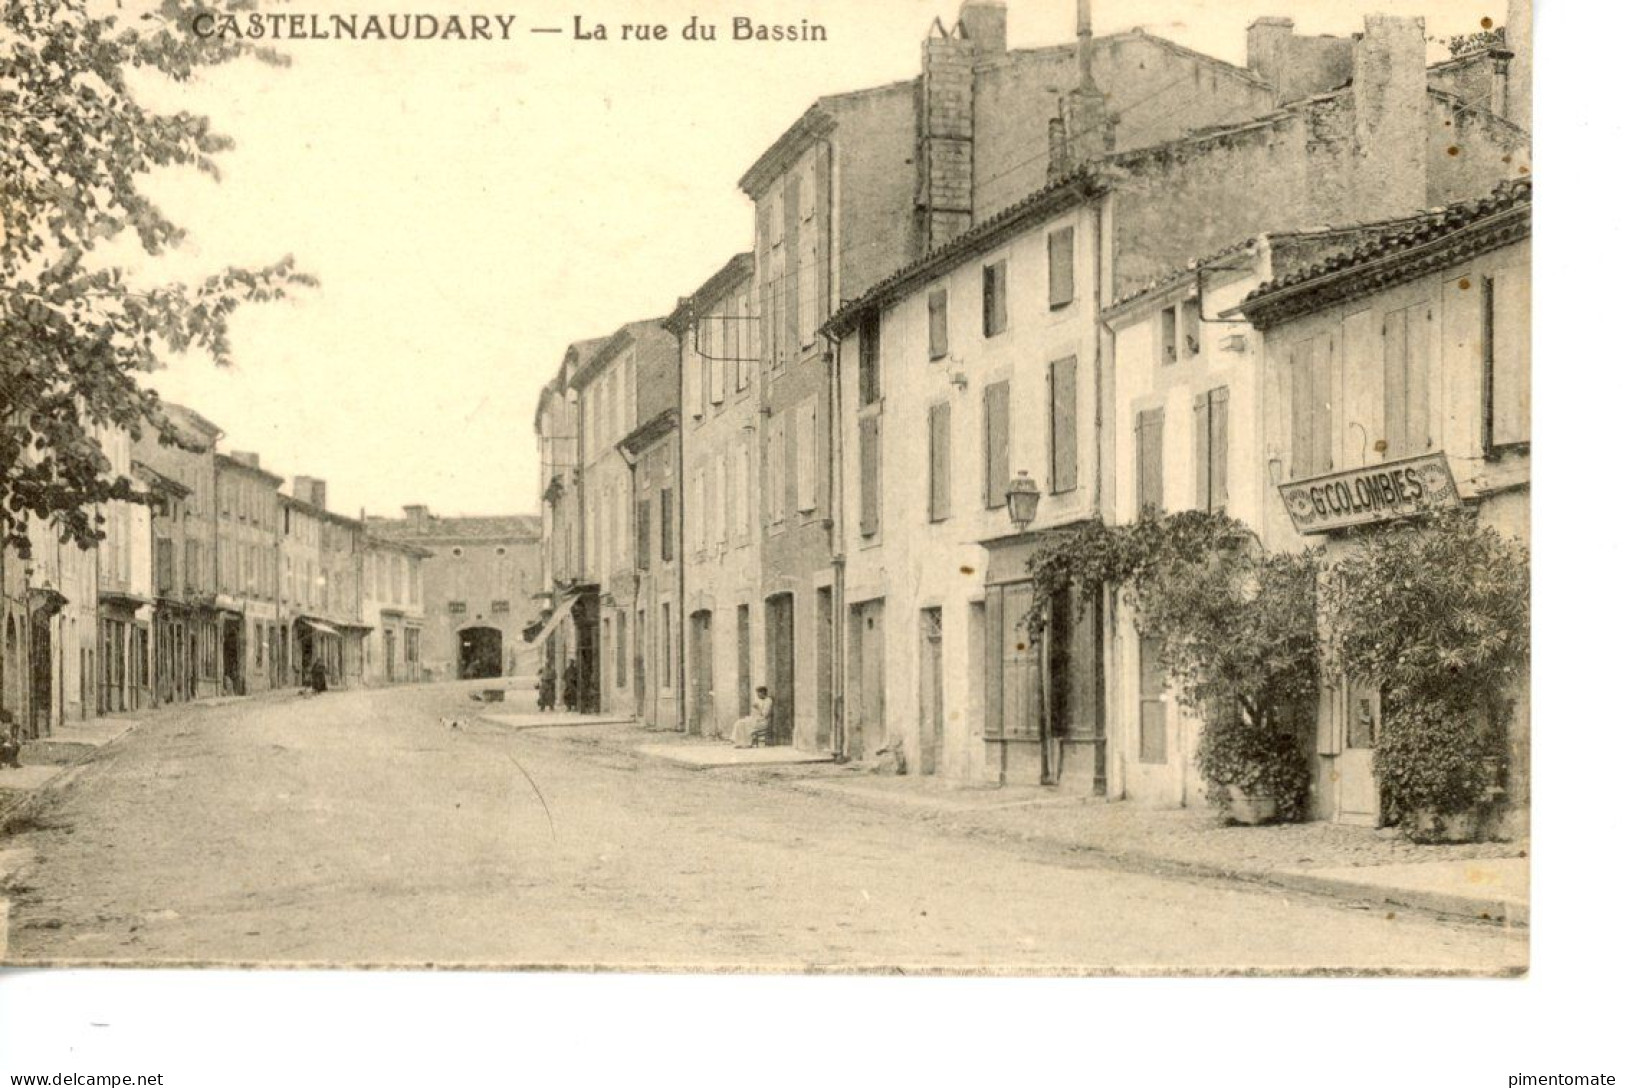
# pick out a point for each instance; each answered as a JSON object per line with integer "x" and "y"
{"x": 39, "y": 670}
{"x": 866, "y": 697}
{"x": 231, "y": 655}
{"x": 781, "y": 666}
{"x": 931, "y": 726}
{"x": 1354, "y": 775}
{"x": 742, "y": 666}
{"x": 702, "y": 715}
{"x": 826, "y": 667}
{"x": 479, "y": 655}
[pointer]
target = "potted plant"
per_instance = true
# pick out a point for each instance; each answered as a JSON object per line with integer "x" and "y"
{"x": 1255, "y": 771}
{"x": 1437, "y": 767}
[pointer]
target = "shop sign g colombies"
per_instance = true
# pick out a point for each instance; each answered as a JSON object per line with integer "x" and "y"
{"x": 1365, "y": 495}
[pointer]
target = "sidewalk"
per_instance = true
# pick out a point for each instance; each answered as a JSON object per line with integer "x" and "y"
{"x": 1482, "y": 881}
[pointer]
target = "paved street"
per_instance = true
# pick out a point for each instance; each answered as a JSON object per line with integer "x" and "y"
{"x": 357, "y": 828}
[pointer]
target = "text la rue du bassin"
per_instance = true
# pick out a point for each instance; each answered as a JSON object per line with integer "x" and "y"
{"x": 741, "y": 30}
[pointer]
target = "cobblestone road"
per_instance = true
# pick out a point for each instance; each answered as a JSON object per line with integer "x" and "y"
{"x": 356, "y": 828}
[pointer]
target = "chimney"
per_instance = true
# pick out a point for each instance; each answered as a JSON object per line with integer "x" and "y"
{"x": 308, "y": 489}
{"x": 945, "y": 131}
{"x": 1390, "y": 117}
{"x": 1060, "y": 152}
{"x": 1088, "y": 125}
{"x": 1268, "y": 40}
{"x": 252, "y": 460}
{"x": 984, "y": 24}
{"x": 417, "y": 517}
{"x": 1520, "y": 42}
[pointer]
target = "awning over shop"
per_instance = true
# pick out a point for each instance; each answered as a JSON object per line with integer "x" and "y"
{"x": 317, "y": 625}
{"x": 539, "y": 629}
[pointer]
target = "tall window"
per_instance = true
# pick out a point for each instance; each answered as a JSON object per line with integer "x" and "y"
{"x": 1406, "y": 344}
{"x": 1168, "y": 334}
{"x": 1062, "y": 287}
{"x": 1190, "y": 326}
{"x": 995, "y": 444}
{"x": 1063, "y": 424}
{"x": 995, "y": 305}
{"x": 868, "y": 359}
{"x": 620, "y": 648}
{"x": 1148, "y": 458}
{"x": 643, "y": 534}
{"x": 666, "y": 516}
{"x": 940, "y": 494}
{"x": 937, "y": 309}
{"x": 1311, "y": 364}
{"x": 1212, "y": 428}
{"x": 666, "y": 646}
{"x": 869, "y": 475}
{"x": 1506, "y": 358}
{"x": 807, "y": 456}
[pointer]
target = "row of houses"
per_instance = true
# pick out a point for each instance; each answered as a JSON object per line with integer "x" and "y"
{"x": 1025, "y": 290}
{"x": 222, "y": 583}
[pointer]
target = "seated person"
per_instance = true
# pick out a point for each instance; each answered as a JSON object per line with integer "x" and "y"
{"x": 755, "y": 729}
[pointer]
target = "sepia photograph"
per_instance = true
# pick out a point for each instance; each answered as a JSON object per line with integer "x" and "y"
{"x": 1023, "y": 488}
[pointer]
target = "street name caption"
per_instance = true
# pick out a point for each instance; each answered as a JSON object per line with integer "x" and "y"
{"x": 426, "y": 26}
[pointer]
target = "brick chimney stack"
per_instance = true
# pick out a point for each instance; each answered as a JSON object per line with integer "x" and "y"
{"x": 945, "y": 133}
{"x": 252, "y": 460}
{"x": 1390, "y": 117}
{"x": 309, "y": 489}
{"x": 1520, "y": 42}
{"x": 417, "y": 517}
{"x": 1089, "y": 127}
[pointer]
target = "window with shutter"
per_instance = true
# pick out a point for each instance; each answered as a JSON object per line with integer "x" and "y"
{"x": 702, "y": 510}
{"x": 937, "y": 308}
{"x": 1211, "y": 427}
{"x": 1061, "y": 286}
{"x": 719, "y": 528}
{"x": 793, "y": 259}
{"x": 995, "y": 311}
{"x": 995, "y": 444}
{"x": 666, "y": 524}
{"x": 806, "y": 457}
{"x": 749, "y": 342}
{"x": 1168, "y": 326}
{"x": 1506, "y": 358}
{"x": 868, "y": 359}
{"x": 1406, "y": 342}
{"x": 1153, "y": 707}
{"x": 1063, "y": 424}
{"x": 643, "y": 534}
{"x": 742, "y": 510}
{"x": 869, "y": 475}
{"x": 940, "y": 494}
{"x": 1148, "y": 446}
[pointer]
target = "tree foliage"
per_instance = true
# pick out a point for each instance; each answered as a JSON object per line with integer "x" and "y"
{"x": 75, "y": 332}
{"x": 1236, "y": 627}
{"x": 1435, "y": 614}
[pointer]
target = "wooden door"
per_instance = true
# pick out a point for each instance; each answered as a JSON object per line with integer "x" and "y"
{"x": 866, "y": 701}
{"x": 702, "y": 715}
{"x": 1355, "y": 780}
{"x": 781, "y": 666}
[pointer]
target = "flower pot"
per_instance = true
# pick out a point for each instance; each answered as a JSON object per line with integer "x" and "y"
{"x": 1430, "y": 826}
{"x": 1248, "y": 809}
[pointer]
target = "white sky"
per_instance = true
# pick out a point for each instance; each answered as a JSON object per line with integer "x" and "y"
{"x": 471, "y": 208}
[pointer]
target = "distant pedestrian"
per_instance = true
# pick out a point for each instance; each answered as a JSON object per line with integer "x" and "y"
{"x": 318, "y": 678}
{"x": 10, "y": 746}
{"x": 571, "y": 681}
{"x": 546, "y": 686}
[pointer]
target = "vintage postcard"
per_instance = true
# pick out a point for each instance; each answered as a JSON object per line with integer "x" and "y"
{"x": 1014, "y": 487}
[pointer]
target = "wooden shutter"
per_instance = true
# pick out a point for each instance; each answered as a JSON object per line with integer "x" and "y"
{"x": 1148, "y": 434}
{"x": 1153, "y": 709}
{"x": 995, "y": 444}
{"x": 643, "y": 534}
{"x": 993, "y": 663}
{"x": 937, "y": 305}
{"x": 1063, "y": 423}
{"x": 1395, "y": 328}
{"x": 1218, "y": 458}
{"x": 806, "y": 488}
{"x": 1061, "y": 287}
{"x": 1321, "y": 382}
{"x": 868, "y": 358}
{"x": 1418, "y": 381}
{"x": 792, "y": 263}
{"x": 821, "y": 212}
{"x": 941, "y": 438}
{"x": 1507, "y": 321}
{"x": 665, "y": 523}
{"x": 869, "y": 475}
{"x": 1201, "y": 459}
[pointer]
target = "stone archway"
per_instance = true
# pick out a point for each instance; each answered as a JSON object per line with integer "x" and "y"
{"x": 479, "y": 653}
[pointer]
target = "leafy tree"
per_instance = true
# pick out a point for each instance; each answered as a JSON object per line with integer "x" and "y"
{"x": 75, "y": 332}
{"x": 1237, "y": 631}
{"x": 1435, "y": 614}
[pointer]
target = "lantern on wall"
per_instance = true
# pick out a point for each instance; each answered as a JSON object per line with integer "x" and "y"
{"x": 1021, "y": 499}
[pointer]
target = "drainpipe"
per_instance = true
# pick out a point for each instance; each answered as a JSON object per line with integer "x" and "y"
{"x": 679, "y": 523}
{"x": 837, "y": 511}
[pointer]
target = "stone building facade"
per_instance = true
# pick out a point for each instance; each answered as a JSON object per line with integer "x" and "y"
{"x": 392, "y": 610}
{"x": 249, "y": 529}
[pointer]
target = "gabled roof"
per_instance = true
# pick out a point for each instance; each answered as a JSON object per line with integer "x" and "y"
{"x": 650, "y": 332}
{"x": 1072, "y": 188}
{"x": 182, "y": 416}
{"x": 731, "y": 275}
{"x": 554, "y": 386}
{"x": 819, "y": 121}
{"x": 1402, "y": 250}
{"x": 226, "y": 460}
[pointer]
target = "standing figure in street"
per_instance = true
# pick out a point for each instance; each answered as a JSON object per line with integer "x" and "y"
{"x": 318, "y": 678}
{"x": 756, "y": 728}
{"x": 570, "y": 682}
{"x": 546, "y": 684}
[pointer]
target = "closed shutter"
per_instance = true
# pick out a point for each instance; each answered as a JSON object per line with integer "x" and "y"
{"x": 1148, "y": 441}
{"x": 937, "y": 304}
{"x": 995, "y": 444}
{"x": 994, "y": 311}
{"x": 792, "y": 263}
{"x": 1298, "y": 363}
{"x": 1218, "y": 459}
{"x": 725, "y": 526}
{"x": 742, "y": 511}
{"x": 821, "y": 229}
{"x": 941, "y": 437}
{"x": 1061, "y": 288}
{"x": 1507, "y": 302}
{"x": 666, "y": 518}
{"x": 1063, "y": 423}
{"x": 993, "y": 663}
{"x": 1153, "y": 708}
{"x": 765, "y": 284}
{"x": 807, "y": 456}
{"x": 1405, "y": 380}
{"x": 1321, "y": 387}
{"x": 869, "y": 475}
